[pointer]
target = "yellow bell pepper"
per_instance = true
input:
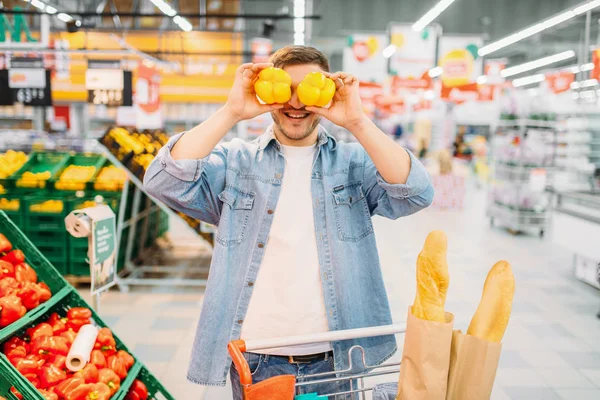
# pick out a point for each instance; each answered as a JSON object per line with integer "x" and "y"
{"x": 273, "y": 86}
{"x": 316, "y": 90}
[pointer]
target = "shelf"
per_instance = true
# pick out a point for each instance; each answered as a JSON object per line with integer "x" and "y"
{"x": 527, "y": 123}
{"x": 16, "y": 118}
{"x": 523, "y": 167}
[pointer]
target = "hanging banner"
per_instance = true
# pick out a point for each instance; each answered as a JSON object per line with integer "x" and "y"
{"x": 461, "y": 66}
{"x": 560, "y": 81}
{"x": 492, "y": 70}
{"x": 147, "y": 100}
{"x": 363, "y": 57}
{"x": 261, "y": 49}
{"x": 29, "y": 81}
{"x": 414, "y": 56}
{"x": 369, "y": 92}
{"x": 487, "y": 92}
{"x": 107, "y": 84}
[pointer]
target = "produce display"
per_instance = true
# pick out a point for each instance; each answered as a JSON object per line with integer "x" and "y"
{"x": 273, "y": 86}
{"x": 33, "y": 179}
{"x": 138, "y": 391}
{"x": 10, "y": 162}
{"x": 9, "y": 205}
{"x": 74, "y": 177}
{"x": 41, "y": 355}
{"x": 110, "y": 179}
{"x": 20, "y": 290}
{"x": 48, "y": 206}
{"x": 316, "y": 90}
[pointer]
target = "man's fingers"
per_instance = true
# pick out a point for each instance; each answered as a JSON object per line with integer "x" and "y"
{"x": 261, "y": 66}
{"x": 240, "y": 70}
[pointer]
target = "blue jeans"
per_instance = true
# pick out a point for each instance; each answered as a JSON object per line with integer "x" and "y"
{"x": 264, "y": 366}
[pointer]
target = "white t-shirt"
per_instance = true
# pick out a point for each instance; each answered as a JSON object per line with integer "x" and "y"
{"x": 287, "y": 299}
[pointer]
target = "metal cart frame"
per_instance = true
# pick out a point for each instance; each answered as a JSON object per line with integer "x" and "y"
{"x": 236, "y": 349}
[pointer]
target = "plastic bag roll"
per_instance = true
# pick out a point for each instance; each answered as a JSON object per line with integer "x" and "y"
{"x": 82, "y": 347}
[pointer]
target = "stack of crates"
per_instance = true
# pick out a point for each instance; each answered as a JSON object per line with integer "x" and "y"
{"x": 64, "y": 297}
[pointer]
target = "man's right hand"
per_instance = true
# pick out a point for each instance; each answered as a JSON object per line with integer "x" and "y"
{"x": 242, "y": 103}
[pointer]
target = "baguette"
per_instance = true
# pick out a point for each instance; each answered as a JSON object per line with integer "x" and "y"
{"x": 432, "y": 279}
{"x": 492, "y": 315}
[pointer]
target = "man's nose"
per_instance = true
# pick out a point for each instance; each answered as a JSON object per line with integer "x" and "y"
{"x": 295, "y": 101}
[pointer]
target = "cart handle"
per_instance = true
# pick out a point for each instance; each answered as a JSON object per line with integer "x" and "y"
{"x": 236, "y": 348}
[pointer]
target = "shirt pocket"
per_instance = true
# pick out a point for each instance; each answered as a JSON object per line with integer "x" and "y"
{"x": 237, "y": 206}
{"x": 351, "y": 212}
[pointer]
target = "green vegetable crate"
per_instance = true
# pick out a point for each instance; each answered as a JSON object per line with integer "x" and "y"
{"x": 80, "y": 160}
{"x": 64, "y": 297}
{"x": 38, "y": 162}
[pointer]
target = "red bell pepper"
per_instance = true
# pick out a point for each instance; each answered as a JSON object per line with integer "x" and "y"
{"x": 127, "y": 359}
{"x": 59, "y": 361}
{"x": 42, "y": 329}
{"x": 132, "y": 396}
{"x": 108, "y": 376}
{"x": 65, "y": 388}
{"x": 105, "y": 342}
{"x": 48, "y": 394}
{"x": 117, "y": 365}
{"x": 26, "y": 365}
{"x": 17, "y": 394}
{"x": 76, "y": 324}
{"x": 30, "y": 295}
{"x": 49, "y": 346}
{"x": 11, "y": 309}
{"x": 100, "y": 391}
{"x": 7, "y": 270}
{"x": 51, "y": 375}
{"x": 13, "y": 343}
{"x": 89, "y": 373}
{"x": 5, "y": 244}
{"x": 79, "y": 313}
{"x": 45, "y": 293}
{"x": 8, "y": 286}
{"x": 14, "y": 257}
{"x": 69, "y": 336}
{"x": 17, "y": 352}
{"x": 98, "y": 359}
{"x": 24, "y": 273}
{"x": 33, "y": 378}
{"x": 140, "y": 388}
{"x": 57, "y": 323}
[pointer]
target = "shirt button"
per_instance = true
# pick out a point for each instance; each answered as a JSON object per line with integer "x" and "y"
{"x": 278, "y": 176}
{"x": 240, "y": 321}
{"x": 261, "y": 245}
{"x": 270, "y": 212}
{"x": 250, "y": 283}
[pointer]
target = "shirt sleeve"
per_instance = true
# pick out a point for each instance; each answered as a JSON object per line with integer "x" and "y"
{"x": 397, "y": 200}
{"x": 190, "y": 186}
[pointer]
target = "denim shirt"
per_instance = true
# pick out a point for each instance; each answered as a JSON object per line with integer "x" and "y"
{"x": 234, "y": 188}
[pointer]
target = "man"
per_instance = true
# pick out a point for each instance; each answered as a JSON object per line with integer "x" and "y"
{"x": 295, "y": 251}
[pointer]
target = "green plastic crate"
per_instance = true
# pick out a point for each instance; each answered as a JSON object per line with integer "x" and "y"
{"x": 38, "y": 162}
{"x": 46, "y": 221}
{"x": 82, "y": 160}
{"x": 156, "y": 391}
{"x": 45, "y": 271}
{"x": 69, "y": 300}
{"x": 107, "y": 163}
{"x": 17, "y": 216}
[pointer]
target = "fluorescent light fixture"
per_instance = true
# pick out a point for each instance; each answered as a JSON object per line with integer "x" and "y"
{"x": 587, "y": 67}
{"x": 587, "y": 94}
{"x": 431, "y": 15}
{"x": 64, "y": 17}
{"x": 528, "y": 66}
{"x": 183, "y": 23}
{"x": 482, "y": 80}
{"x": 164, "y": 8}
{"x": 528, "y": 80}
{"x": 389, "y": 50}
{"x": 584, "y": 84}
{"x": 299, "y": 25}
{"x": 51, "y": 10}
{"x": 537, "y": 28}
{"x": 299, "y": 38}
{"x": 38, "y": 4}
{"x": 435, "y": 72}
{"x": 299, "y": 8}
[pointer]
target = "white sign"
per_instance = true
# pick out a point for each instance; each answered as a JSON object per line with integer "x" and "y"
{"x": 415, "y": 51}
{"x": 104, "y": 79}
{"x": 363, "y": 57}
{"x": 31, "y": 78}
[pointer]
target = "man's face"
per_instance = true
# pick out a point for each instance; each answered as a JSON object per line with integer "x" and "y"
{"x": 293, "y": 122}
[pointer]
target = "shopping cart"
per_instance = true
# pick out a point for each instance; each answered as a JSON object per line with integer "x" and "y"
{"x": 284, "y": 387}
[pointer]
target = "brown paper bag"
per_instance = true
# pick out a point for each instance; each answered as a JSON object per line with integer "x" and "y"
{"x": 473, "y": 365}
{"x": 425, "y": 359}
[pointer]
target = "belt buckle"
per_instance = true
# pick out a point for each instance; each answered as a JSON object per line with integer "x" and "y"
{"x": 292, "y": 360}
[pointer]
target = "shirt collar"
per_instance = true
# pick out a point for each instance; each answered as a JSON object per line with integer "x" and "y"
{"x": 269, "y": 136}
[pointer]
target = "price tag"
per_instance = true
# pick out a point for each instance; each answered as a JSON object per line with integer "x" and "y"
{"x": 29, "y": 82}
{"x": 108, "y": 84}
{"x": 107, "y": 97}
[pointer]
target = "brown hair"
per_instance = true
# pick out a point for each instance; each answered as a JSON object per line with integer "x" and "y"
{"x": 298, "y": 55}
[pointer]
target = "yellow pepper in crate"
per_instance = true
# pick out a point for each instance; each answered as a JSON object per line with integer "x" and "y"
{"x": 10, "y": 162}
{"x": 316, "y": 90}
{"x": 33, "y": 180}
{"x": 74, "y": 177}
{"x": 110, "y": 179}
{"x": 273, "y": 86}
{"x": 48, "y": 206}
{"x": 144, "y": 160}
{"x": 10, "y": 205}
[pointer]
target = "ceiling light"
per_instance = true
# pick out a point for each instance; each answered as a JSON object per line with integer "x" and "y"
{"x": 164, "y": 7}
{"x": 435, "y": 72}
{"x": 299, "y": 38}
{"x": 528, "y": 66}
{"x": 431, "y": 15}
{"x": 64, "y": 17}
{"x": 537, "y": 28}
{"x": 389, "y": 50}
{"x": 50, "y": 10}
{"x": 528, "y": 80}
{"x": 587, "y": 67}
{"x": 38, "y": 4}
{"x": 183, "y": 23}
{"x": 482, "y": 80}
{"x": 299, "y": 25}
{"x": 584, "y": 84}
{"x": 299, "y": 8}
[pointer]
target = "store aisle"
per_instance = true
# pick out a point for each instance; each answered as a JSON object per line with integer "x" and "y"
{"x": 551, "y": 349}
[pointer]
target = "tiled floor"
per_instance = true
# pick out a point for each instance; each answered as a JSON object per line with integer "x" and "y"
{"x": 551, "y": 349}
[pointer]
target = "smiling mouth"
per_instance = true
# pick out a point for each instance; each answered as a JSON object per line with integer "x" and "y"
{"x": 296, "y": 115}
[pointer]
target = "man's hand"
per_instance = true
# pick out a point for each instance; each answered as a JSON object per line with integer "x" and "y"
{"x": 346, "y": 109}
{"x": 242, "y": 103}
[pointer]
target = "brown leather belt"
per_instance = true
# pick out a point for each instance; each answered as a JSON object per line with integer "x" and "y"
{"x": 305, "y": 359}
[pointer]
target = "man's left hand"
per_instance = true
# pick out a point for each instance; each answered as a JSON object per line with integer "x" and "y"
{"x": 346, "y": 108}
